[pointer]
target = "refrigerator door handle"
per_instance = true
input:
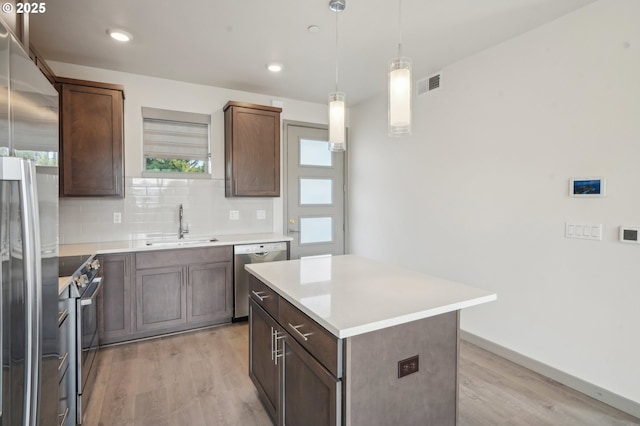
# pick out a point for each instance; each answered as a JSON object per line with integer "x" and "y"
{"x": 33, "y": 289}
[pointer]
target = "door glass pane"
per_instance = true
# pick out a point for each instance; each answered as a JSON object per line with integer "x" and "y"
{"x": 316, "y": 230}
{"x": 315, "y": 153}
{"x": 316, "y": 191}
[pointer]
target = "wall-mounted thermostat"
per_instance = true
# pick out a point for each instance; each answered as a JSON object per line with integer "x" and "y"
{"x": 630, "y": 234}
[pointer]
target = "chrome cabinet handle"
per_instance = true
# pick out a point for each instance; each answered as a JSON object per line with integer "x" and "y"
{"x": 303, "y": 335}
{"x": 62, "y": 360}
{"x": 259, "y": 295}
{"x": 277, "y": 353}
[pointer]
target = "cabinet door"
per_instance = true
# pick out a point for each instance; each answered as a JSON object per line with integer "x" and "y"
{"x": 263, "y": 369}
{"x": 209, "y": 292}
{"x": 91, "y": 123}
{"x": 114, "y": 321}
{"x": 253, "y": 152}
{"x": 311, "y": 395}
{"x": 160, "y": 298}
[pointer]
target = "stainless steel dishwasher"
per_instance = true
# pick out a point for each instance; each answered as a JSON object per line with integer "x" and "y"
{"x": 251, "y": 253}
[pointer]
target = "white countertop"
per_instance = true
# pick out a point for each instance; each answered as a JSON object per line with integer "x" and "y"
{"x": 141, "y": 245}
{"x": 350, "y": 295}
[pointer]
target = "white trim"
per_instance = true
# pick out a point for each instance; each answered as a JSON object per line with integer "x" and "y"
{"x": 589, "y": 389}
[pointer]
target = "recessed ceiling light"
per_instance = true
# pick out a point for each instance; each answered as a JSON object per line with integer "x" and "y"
{"x": 119, "y": 35}
{"x": 274, "y": 67}
{"x": 313, "y": 29}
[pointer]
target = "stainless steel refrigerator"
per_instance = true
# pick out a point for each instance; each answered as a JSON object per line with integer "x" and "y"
{"x": 28, "y": 240}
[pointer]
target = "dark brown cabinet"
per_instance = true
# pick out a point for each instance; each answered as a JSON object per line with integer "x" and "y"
{"x": 160, "y": 298}
{"x": 252, "y": 150}
{"x": 284, "y": 362}
{"x": 181, "y": 289}
{"x": 114, "y": 322}
{"x": 91, "y": 138}
{"x": 150, "y": 293}
{"x": 311, "y": 394}
{"x": 263, "y": 367}
{"x": 209, "y": 296}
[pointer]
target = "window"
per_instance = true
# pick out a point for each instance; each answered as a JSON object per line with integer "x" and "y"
{"x": 176, "y": 142}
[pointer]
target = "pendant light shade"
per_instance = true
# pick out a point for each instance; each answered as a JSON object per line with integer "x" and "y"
{"x": 400, "y": 97}
{"x": 400, "y": 89}
{"x": 337, "y": 140}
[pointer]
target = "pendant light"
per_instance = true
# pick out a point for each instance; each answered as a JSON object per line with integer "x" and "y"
{"x": 400, "y": 90}
{"x": 337, "y": 140}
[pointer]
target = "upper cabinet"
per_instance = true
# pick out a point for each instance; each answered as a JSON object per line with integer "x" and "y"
{"x": 91, "y": 138}
{"x": 252, "y": 150}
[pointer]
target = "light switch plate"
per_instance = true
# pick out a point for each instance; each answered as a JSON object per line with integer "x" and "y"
{"x": 234, "y": 215}
{"x": 261, "y": 214}
{"x": 583, "y": 231}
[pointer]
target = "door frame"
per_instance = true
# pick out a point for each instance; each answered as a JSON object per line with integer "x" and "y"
{"x": 285, "y": 170}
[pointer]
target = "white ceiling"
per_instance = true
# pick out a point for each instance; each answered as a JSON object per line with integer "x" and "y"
{"x": 228, "y": 43}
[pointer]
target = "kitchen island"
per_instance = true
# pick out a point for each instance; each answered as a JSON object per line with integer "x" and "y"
{"x": 345, "y": 340}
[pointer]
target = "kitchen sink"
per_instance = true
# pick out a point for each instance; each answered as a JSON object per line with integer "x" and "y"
{"x": 179, "y": 242}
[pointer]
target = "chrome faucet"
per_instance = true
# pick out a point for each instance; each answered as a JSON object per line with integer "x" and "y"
{"x": 183, "y": 230}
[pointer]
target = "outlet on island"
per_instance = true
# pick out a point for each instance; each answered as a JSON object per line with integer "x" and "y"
{"x": 408, "y": 366}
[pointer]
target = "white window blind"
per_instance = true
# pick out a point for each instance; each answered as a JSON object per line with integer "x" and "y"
{"x": 175, "y": 134}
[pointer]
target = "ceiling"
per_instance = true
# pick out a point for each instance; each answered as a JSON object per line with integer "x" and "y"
{"x": 228, "y": 43}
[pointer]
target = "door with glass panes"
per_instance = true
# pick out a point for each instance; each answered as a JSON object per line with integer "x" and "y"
{"x": 315, "y": 192}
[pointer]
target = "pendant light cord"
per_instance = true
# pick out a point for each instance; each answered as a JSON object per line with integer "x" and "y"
{"x": 400, "y": 28}
{"x": 336, "y": 12}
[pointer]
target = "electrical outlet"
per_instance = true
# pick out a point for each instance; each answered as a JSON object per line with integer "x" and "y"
{"x": 117, "y": 217}
{"x": 408, "y": 366}
{"x": 234, "y": 214}
{"x": 261, "y": 214}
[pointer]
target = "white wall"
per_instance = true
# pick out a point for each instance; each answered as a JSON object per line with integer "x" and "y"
{"x": 479, "y": 193}
{"x": 90, "y": 219}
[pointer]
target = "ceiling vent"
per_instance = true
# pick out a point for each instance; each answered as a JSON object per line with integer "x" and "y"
{"x": 428, "y": 84}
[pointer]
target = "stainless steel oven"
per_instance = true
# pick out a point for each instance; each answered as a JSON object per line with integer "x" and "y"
{"x": 89, "y": 283}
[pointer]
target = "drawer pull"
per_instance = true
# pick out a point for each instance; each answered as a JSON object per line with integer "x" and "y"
{"x": 62, "y": 315}
{"x": 303, "y": 335}
{"x": 62, "y": 360}
{"x": 275, "y": 352}
{"x": 260, "y": 295}
{"x": 62, "y": 418}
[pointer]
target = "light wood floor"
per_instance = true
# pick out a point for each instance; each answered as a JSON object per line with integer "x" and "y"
{"x": 201, "y": 379}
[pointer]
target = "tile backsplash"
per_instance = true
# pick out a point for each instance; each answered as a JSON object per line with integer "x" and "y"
{"x": 150, "y": 210}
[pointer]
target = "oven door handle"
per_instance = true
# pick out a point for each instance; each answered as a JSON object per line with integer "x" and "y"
{"x": 89, "y": 300}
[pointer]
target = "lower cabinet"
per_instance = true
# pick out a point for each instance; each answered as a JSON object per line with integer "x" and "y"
{"x": 162, "y": 291}
{"x": 263, "y": 359}
{"x": 160, "y": 298}
{"x": 311, "y": 395}
{"x": 295, "y": 388}
{"x": 209, "y": 296}
{"x": 114, "y": 321}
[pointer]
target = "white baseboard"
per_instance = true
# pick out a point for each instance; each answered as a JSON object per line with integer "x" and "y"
{"x": 594, "y": 391}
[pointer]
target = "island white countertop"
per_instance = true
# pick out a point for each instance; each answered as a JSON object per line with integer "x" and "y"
{"x": 141, "y": 245}
{"x": 351, "y": 295}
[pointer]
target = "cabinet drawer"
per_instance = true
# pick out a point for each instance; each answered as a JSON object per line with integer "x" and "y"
{"x": 63, "y": 347}
{"x": 324, "y": 346}
{"x": 183, "y": 256}
{"x": 263, "y": 296}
